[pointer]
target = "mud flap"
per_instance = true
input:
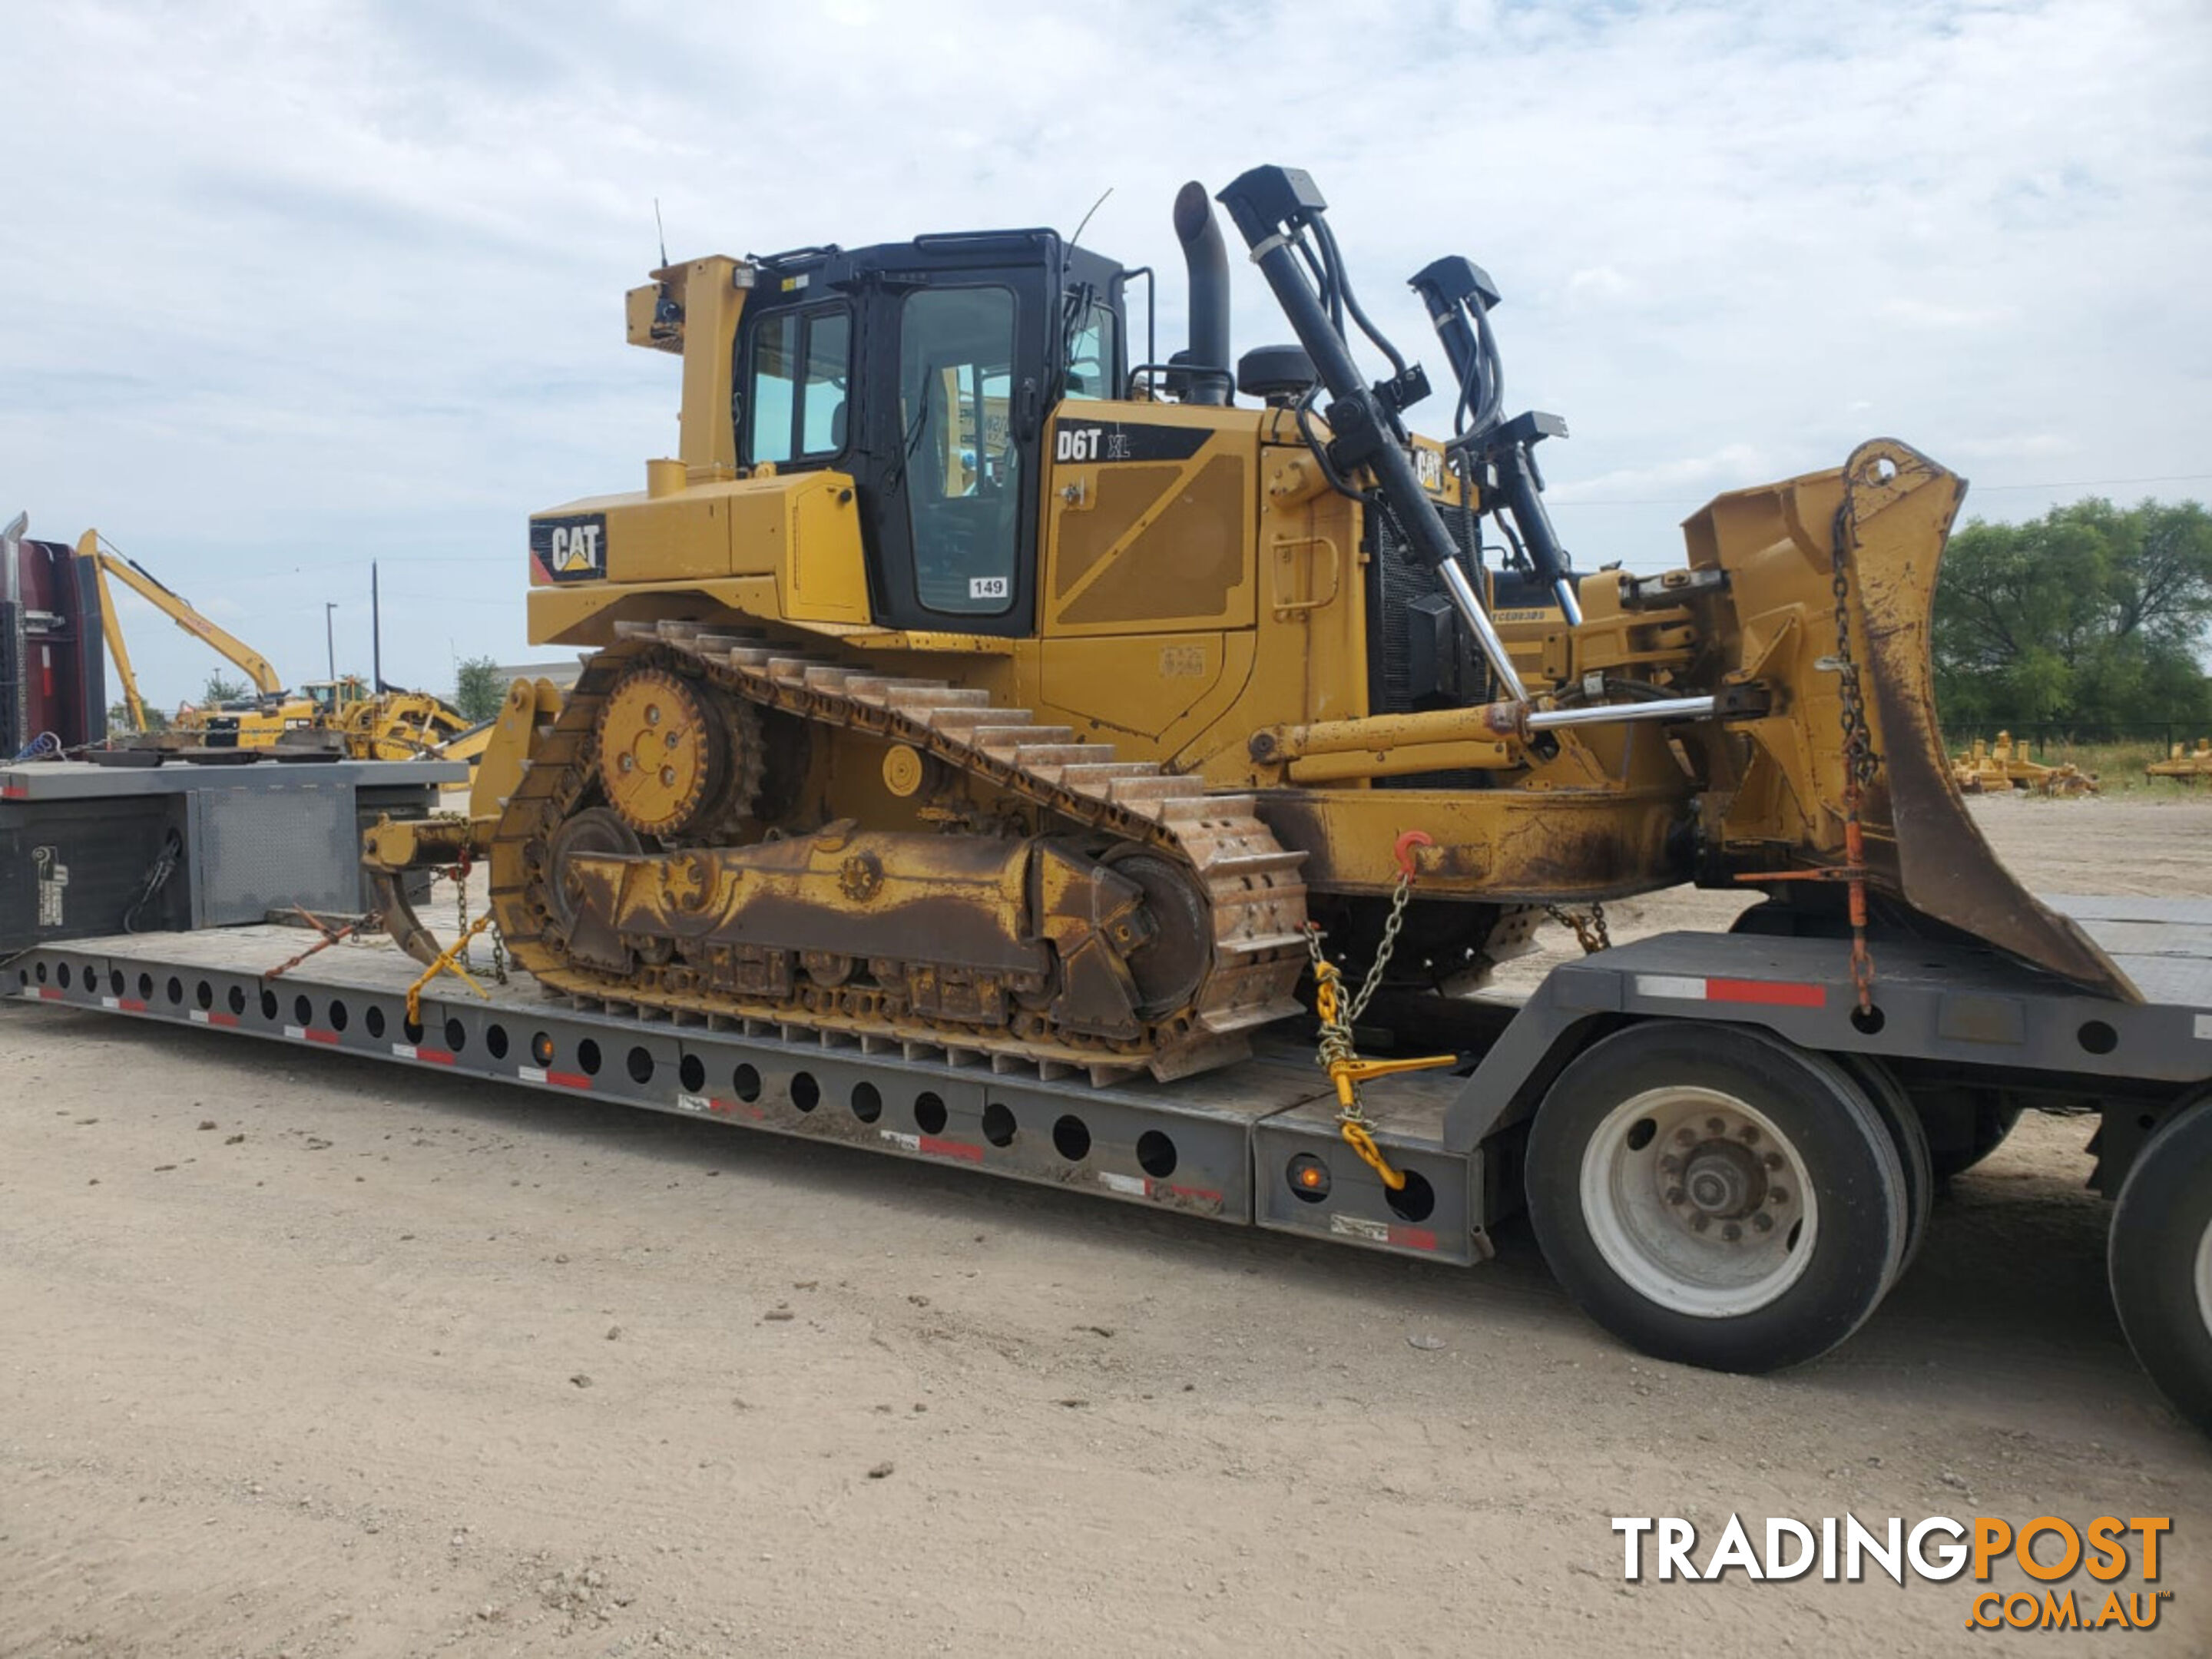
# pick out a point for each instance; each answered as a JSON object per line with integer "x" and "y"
{"x": 1897, "y": 512}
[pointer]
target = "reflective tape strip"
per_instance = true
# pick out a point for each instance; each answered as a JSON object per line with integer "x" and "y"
{"x": 1382, "y": 1233}
{"x": 558, "y": 1079}
{"x": 428, "y": 1056}
{"x": 2205, "y": 1027}
{"x": 1765, "y": 993}
{"x": 1134, "y": 1186}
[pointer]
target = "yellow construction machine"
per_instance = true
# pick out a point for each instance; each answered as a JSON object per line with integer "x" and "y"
{"x": 391, "y": 725}
{"x": 2190, "y": 765}
{"x": 108, "y": 565}
{"x": 2004, "y": 766}
{"x": 962, "y": 683}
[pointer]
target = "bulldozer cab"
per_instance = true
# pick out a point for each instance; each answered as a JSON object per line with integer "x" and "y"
{"x": 927, "y": 371}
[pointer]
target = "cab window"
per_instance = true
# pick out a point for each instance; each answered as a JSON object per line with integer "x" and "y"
{"x": 961, "y": 465}
{"x": 795, "y": 387}
{"x": 1091, "y": 355}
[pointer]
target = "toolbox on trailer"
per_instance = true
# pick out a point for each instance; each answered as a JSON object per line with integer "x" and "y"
{"x": 85, "y": 849}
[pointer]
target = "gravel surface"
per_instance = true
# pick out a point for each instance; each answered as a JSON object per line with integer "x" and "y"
{"x": 329, "y": 1359}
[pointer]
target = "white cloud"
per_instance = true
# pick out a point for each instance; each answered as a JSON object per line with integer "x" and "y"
{"x": 295, "y": 288}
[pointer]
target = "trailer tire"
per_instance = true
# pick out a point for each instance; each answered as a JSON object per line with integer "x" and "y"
{"x": 1902, "y": 1119}
{"x": 1991, "y": 1117}
{"x": 1620, "y": 1225}
{"x": 2159, "y": 1258}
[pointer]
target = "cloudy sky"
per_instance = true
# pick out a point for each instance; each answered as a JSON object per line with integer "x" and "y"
{"x": 292, "y": 288}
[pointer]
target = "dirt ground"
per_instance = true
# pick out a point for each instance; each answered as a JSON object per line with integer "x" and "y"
{"x": 330, "y": 1358}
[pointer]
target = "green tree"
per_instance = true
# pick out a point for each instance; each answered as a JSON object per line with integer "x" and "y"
{"x": 2091, "y": 616}
{"x": 219, "y": 690}
{"x": 478, "y": 689}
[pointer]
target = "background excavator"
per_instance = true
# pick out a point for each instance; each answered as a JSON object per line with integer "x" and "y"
{"x": 340, "y": 714}
{"x": 962, "y": 683}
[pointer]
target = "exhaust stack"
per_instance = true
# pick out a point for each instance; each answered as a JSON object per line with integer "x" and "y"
{"x": 1207, "y": 259}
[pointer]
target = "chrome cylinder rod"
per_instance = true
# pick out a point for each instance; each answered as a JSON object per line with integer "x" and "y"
{"x": 1606, "y": 714}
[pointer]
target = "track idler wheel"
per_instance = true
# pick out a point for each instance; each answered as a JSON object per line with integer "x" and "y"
{"x": 675, "y": 755}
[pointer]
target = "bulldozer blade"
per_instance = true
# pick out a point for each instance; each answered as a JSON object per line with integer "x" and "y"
{"x": 1897, "y": 511}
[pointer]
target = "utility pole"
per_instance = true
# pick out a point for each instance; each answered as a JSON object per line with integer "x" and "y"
{"x": 375, "y": 635}
{"x": 330, "y": 637}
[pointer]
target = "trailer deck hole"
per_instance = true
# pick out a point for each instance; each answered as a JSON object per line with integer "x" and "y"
{"x": 146, "y": 987}
{"x": 303, "y": 1012}
{"x": 998, "y": 1125}
{"x": 2096, "y": 1037}
{"x": 690, "y": 1072}
{"x": 1156, "y": 1154}
{"x": 1870, "y": 1020}
{"x": 115, "y": 982}
{"x": 639, "y": 1063}
{"x": 62, "y": 973}
{"x": 587, "y": 1058}
{"x": 929, "y": 1113}
{"x": 268, "y": 1002}
{"x": 866, "y": 1101}
{"x": 42, "y": 977}
{"x": 202, "y": 994}
{"x": 411, "y": 1029}
{"x": 541, "y": 1048}
{"x": 339, "y": 1018}
{"x": 457, "y": 1037}
{"x": 23, "y": 977}
{"x": 1414, "y": 1201}
{"x": 373, "y": 1020}
{"x": 236, "y": 1000}
{"x": 495, "y": 1041}
{"x": 1070, "y": 1136}
{"x": 91, "y": 977}
{"x": 746, "y": 1081}
{"x": 176, "y": 990}
{"x": 806, "y": 1092}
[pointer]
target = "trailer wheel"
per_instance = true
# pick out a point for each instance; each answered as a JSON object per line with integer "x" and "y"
{"x": 2159, "y": 1259}
{"x": 1902, "y": 1119}
{"x": 1715, "y": 1196}
{"x": 1988, "y": 1118}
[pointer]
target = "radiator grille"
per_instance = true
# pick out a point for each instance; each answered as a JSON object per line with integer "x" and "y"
{"x": 1397, "y": 580}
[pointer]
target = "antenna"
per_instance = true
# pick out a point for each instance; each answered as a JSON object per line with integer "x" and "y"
{"x": 1095, "y": 206}
{"x": 663, "y": 229}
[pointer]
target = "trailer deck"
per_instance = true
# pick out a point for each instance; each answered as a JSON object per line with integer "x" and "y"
{"x": 1258, "y": 1143}
{"x": 1199, "y": 1144}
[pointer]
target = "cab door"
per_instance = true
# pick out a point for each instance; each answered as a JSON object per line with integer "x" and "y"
{"x": 953, "y": 481}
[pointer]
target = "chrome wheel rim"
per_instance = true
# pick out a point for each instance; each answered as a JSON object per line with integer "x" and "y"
{"x": 1701, "y": 1205}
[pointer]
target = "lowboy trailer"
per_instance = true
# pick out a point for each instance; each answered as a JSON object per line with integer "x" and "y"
{"x": 1726, "y": 1160}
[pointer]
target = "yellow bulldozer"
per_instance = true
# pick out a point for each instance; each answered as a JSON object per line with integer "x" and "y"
{"x": 971, "y": 679}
